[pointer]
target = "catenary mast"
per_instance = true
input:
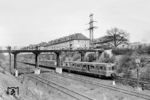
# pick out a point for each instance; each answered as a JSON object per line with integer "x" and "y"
{"x": 91, "y": 30}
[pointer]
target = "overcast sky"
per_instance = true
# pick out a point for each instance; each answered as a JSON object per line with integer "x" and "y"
{"x": 24, "y": 22}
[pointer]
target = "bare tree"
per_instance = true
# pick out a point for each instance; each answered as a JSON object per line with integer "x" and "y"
{"x": 117, "y": 37}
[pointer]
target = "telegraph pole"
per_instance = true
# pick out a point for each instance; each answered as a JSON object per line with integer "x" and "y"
{"x": 91, "y": 30}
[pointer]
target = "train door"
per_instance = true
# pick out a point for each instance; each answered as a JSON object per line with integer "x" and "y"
{"x": 68, "y": 64}
{"x": 84, "y": 67}
{"x": 96, "y": 68}
{"x": 108, "y": 70}
{"x": 73, "y": 65}
{"x": 78, "y": 66}
{"x": 92, "y": 68}
{"x": 102, "y": 69}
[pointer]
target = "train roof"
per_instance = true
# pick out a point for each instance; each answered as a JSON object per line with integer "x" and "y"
{"x": 91, "y": 62}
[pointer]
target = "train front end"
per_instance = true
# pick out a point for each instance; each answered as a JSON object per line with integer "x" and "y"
{"x": 111, "y": 70}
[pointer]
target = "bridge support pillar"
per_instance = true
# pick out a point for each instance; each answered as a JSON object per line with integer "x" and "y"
{"x": 15, "y": 64}
{"x": 113, "y": 83}
{"x": 16, "y": 73}
{"x": 58, "y": 68}
{"x": 139, "y": 89}
{"x": 9, "y": 49}
{"x": 82, "y": 55}
{"x": 37, "y": 69}
{"x": 36, "y": 60}
{"x": 97, "y": 54}
{"x": 58, "y": 59}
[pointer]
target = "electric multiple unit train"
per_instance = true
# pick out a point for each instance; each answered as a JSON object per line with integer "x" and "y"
{"x": 101, "y": 69}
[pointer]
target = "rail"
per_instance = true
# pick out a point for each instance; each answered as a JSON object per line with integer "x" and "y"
{"x": 145, "y": 85}
{"x": 82, "y": 78}
{"x": 67, "y": 91}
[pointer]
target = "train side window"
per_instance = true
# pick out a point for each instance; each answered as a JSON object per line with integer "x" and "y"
{"x": 104, "y": 68}
{"x": 70, "y": 64}
{"x": 110, "y": 68}
{"x": 113, "y": 68}
{"x": 91, "y": 66}
{"x": 66, "y": 64}
{"x": 75, "y": 65}
{"x": 78, "y": 65}
{"x": 84, "y": 66}
{"x": 97, "y": 67}
{"x": 101, "y": 67}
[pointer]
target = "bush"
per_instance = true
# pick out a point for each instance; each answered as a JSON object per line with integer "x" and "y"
{"x": 91, "y": 57}
{"x": 145, "y": 76}
{"x": 143, "y": 49}
{"x": 76, "y": 57}
{"x": 125, "y": 65}
{"x": 123, "y": 51}
{"x": 106, "y": 58}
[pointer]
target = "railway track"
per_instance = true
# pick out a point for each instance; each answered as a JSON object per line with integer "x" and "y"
{"x": 98, "y": 84}
{"x": 92, "y": 81}
{"x": 62, "y": 89}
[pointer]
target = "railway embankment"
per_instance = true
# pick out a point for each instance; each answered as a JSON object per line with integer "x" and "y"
{"x": 12, "y": 89}
{"x": 42, "y": 91}
{"x": 92, "y": 91}
{"x": 103, "y": 90}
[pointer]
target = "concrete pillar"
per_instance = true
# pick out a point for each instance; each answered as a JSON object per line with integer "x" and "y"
{"x": 9, "y": 48}
{"x": 36, "y": 60}
{"x": 82, "y": 55}
{"x": 15, "y": 65}
{"x": 58, "y": 68}
{"x": 113, "y": 83}
{"x": 16, "y": 73}
{"x": 139, "y": 89}
{"x": 98, "y": 54}
{"x": 58, "y": 59}
{"x": 10, "y": 62}
{"x": 37, "y": 69}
